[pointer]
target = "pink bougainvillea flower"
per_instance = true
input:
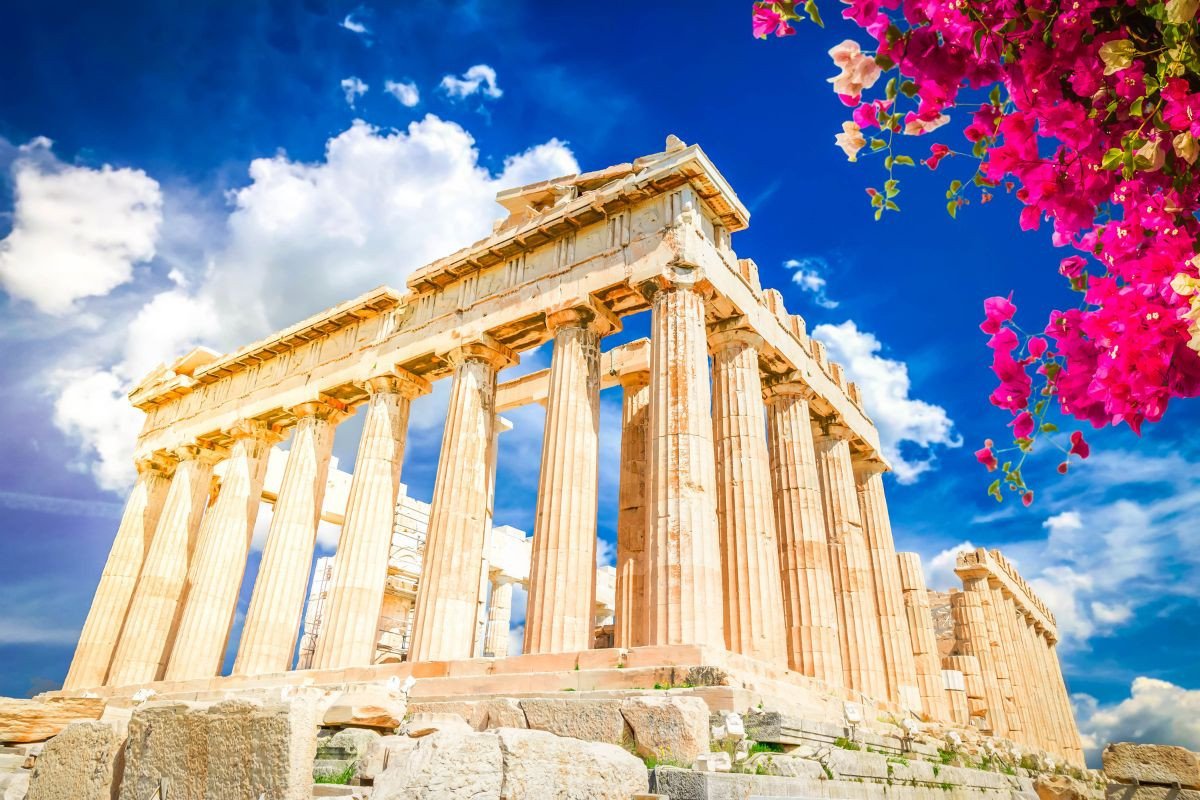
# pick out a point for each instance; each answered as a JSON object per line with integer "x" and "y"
{"x": 997, "y": 310}
{"x": 1072, "y": 266}
{"x": 936, "y": 153}
{"x": 1022, "y": 425}
{"x": 850, "y": 140}
{"x": 1037, "y": 346}
{"x": 1079, "y": 447}
{"x": 1027, "y": 499}
{"x": 1063, "y": 467}
{"x": 859, "y": 71}
{"x": 986, "y": 457}
{"x": 765, "y": 20}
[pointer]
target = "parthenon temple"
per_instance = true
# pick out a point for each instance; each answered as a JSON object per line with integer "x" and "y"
{"x": 753, "y": 534}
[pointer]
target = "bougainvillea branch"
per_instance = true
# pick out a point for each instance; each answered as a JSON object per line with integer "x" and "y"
{"x": 1088, "y": 112}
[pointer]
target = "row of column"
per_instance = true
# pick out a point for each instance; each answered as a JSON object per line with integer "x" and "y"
{"x": 743, "y": 524}
{"x": 1021, "y": 693}
{"x": 167, "y": 596}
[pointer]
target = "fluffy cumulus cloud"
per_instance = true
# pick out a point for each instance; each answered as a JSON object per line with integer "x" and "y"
{"x": 809, "y": 275}
{"x": 405, "y": 91}
{"x": 479, "y": 79}
{"x": 353, "y": 25}
{"x": 353, "y": 88}
{"x": 299, "y": 237}
{"x": 1156, "y": 711}
{"x": 910, "y": 430}
{"x": 77, "y": 232}
{"x": 939, "y": 570}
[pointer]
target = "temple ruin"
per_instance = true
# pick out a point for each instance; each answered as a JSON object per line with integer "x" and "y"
{"x": 754, "y": 549}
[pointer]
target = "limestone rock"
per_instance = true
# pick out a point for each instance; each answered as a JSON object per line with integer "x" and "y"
{"x": 1059, "y": 787}
{"x": 367, "y": 707}
{"x": 14, "y": 786}
{"x": 36, "y": 721}
{"x": 590, "y": 720}
{"x": 427, "y": 723}
{"x": 503, "y": 712}
{"x": 235, "y": 748}
{"x": 78, "y": 764}
{"x": 380, "y": 755}
{"x": 1122, "y": 791}
{"x": 784, "y": 766}
{"x": 354, "y": 741}
{"x": 668, "y": 728}
{"x": 446, "y": 765}
{"x": 470, "y": 710}
{"x": 538, "y": 764}
{"x": 1152, "y": 763}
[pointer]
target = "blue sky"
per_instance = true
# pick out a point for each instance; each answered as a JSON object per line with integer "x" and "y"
{"x": 242, "y": 195}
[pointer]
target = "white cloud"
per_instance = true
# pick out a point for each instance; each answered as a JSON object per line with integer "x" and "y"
{"x": 354, "y": 88}
{"x": 808, "y": 276}
{"x": 405, "y": 91}
{"x": 77, "y": 232}
{"x": 939, "y": 570}
{"x": 353, "y": 25}
{"x": 885, "y": 388}
{"x": 606, "y": 553}
{"x": 1156, "y": 711}
{"x": 479, "y": 79}
{"x": 300, "y": 237}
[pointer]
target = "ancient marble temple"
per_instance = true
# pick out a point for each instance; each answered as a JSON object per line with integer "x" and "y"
{"x": 753, "y": 528}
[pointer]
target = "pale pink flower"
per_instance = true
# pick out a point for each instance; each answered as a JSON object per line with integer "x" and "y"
{"x": 850, "y": 140}
{"x": 858, "y": 71}
{"x": 915, "y": 126}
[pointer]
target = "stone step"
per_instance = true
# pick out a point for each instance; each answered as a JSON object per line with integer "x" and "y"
{"x": 11, "y": 762}
{"x": 320, "y": 790}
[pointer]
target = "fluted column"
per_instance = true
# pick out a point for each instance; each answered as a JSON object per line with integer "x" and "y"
{"x": 220, "y": 563}
{"x": 1060, "y": 700}
{"x": 349, "y": 631}
{"x": 146, "y": 641}
{"x": 102, "y": 629}
{"x": 277, "y": 602}
{"x": 899, "y": 667}
{"x": 922, "y": 640}
{"x": 972, "y": 639}
{"x": 499, "y": 616}
{"x": 810, "y": 611}
{"x": 683, "y": 553}
{"x": 850, "y": 563}
{"x": 977, "y": 702}
{"x": 447, "y": 600}
{"x": 749, "y": 542}
{"x": 1000, "y": 664}
{"x": 630, "y": 623}
{"x": 562, "y": 569}
{"x": 1002, "y": 611}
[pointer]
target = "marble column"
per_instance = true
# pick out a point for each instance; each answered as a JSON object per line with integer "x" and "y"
{"x": 102, "y": 629}
{"x": 444, "y": 619}
{"x": 221, "y": 551}
{"x": 277, "y": 603}
{"x": 972, "y": 639}
{"x": 999, "y": 664}
{"x": 749, "y": 542}
{"x": 349, "y": 632}
{"x": 1060, "y": 701}
{"x": 149, "y": 630}
{"x": 955, "y": 684}
{"x": 922, "y": 639}
{"x": 809, "y": 608}
{"x": 499, "y": 616}
{"x": 850, "y": 564}
{"x": 899, "y": 668}
{"x": 977, "y": 703}
{"x": 683, "y": 567}
{"x": 629, "y": 625}
{"x": 1001, "y": 610}
{"x": 562, "y": 567}
{"x": 1042, "y": 725}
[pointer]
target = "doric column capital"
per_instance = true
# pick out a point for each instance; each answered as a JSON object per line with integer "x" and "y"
{"x": 256, "y": 430}
{"x": 674, "y": 277}
{"x": 591, "y": 315}
{"x": 733, "y": 333}
{"x": 401, "y": 382}
{"x": 326, "y": 410}
{"x": 869, "y": 464}
{"x": 485, "y": 350}
{"x": 831, "y": 429}
{"x": 778, "y": 387}
{"x": 634, "y": 379}
{"x": 203, "y": 452}
{"x": 161, "y": 462}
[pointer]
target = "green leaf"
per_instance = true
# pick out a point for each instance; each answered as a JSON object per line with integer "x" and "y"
{"x": 906, "y": 161}
{"x": 994, "y": 96}
{"x": 994, "y": 490}
{"x": 1049, "y": 427}
{"x": 890, "y": 206}
{"x": 908, "y": 89}
{"x": 977, "y": 41}
{"x": 878, "y": 144}
{"x": 884, "y": 63}
{"x": 810, "y": 7}
{"x": 1181, "y": 12}
{"x": 878, "y": 214}
{"x": 890, "y": 90}
{"x": 1112, "y": 159}
{"x": 1135, "y": 108}
{"x": 1039, "y": 407}
{"x": 952, "y": 208}
{"x": 955, "y": 185}
{"x": 887, "y": 162}
{"x": 892, "y": 187}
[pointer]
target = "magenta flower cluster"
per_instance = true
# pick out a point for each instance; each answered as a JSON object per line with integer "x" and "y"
{"x": 1088, "y": 111}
